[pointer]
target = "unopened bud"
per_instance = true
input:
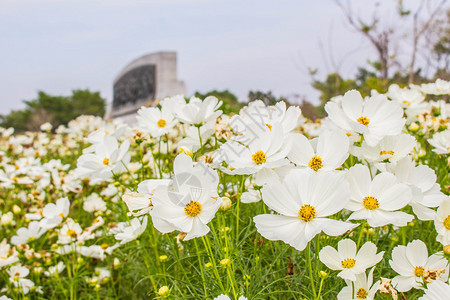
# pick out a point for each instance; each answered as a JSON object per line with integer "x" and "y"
{"x": 163, "y": 258}
{"x": 447, "y": 249}
{"x": 164, "y": 291}
{"x": 225, "y": 262}
{"x": 226, "y": 204}
{"x": 16, "y": 209}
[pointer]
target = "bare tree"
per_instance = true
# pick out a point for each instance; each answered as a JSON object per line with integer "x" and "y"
{"x": 382, "y": 38}
{"x": 419, "y": 30}
{"x": 379, "y": 37}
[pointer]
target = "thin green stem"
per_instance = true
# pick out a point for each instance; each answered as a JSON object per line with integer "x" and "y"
{"x": 200, "y": 264}
{"x": 311, "y": 277}
{"x": 211, "y": 258}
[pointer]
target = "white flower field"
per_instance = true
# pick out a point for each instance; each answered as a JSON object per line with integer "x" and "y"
{"x": 191, "y": 203}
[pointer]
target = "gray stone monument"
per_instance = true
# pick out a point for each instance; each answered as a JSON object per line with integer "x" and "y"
{"x": 143, "y": 81}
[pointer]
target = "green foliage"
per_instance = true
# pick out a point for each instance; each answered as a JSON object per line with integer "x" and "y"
{"x": 268, "y": 98}
{"x": 58, "y": 110}
{"x": 332, "y": 86}
{"x": 230, "y": 101}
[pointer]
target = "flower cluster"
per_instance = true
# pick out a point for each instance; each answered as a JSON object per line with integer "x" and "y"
{"x": 194, "y": 203}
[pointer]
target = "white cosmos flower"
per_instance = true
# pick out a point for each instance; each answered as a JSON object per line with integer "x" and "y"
{"x": 411, "y": 261}
{"x": 127, "y": 232}
{"x": 347, "y": 260}
{"x": 259, "y": 152}
{"x": 412, "y": 100}
{"x": 251, "y": 196}
{"x": 158, "y": 122}
{"x": 140, "y": 203}
{"x": 189, "y": 202}
{"x": 115, "y": 128}
{"x": 377, "y": 200}
{"x": 69, "y": 232}
{"x": 441, "y": 142}
{"x": 17, "y": 276}
{"x": 198, "y": 112}
{"x": 7, "y": 255}
{"x": 325, "y": 153}
{"x": 440, "y": 87}
{"x": 362, "y": 288}
{"x": 107, "y": 158}
{"x": 303, "y": 201}
{"x": 375, "y": 117}
{"x": 94, "y": 203}
{"x": 57, "y": 269}
{"x": 437, "y": 290}
{"x": 442, "y": 222}
{"x": 26, "y": 235}
{"x": 421, "y": 179}
{"x": 257, "y": 113}
{"x": 53, "y": 214}
{"x": 392, "y": 148}
{"x": 407, "y": 98}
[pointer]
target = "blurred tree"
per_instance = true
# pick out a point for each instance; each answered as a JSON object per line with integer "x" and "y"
{"x": 441, "y": 46}
{"x": 333, "y": 85}
{"x": 230, "y": 101}
{"x": 58, "y": 110}
{"x": 268, "y": 98}
{"x": 427, "y": 36}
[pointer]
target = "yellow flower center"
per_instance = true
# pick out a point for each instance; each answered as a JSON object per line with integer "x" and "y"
{"x": 71, "y": 233}
{"x": 348, "y": 134}
{"x": 2, "y": 257}
{"x": 307, "y": 212}
{"x": 259, "y": 157}
{"x": 61, "y": 215}
{"x": 361, "y": 294}
{"x": 315, "y": 163}
{"x": 192, "y": 209}
{"x": 406, "y": 102}
{"x": 447, "y": 222}
{"x": 418, "y": 271}
{"x": 363, "y": 120}
{"x": 348, "y": 263}
{"x": 208, "y": 159}
{"x": 104, "y": 246}
{"x": 371, "y": 203}
{"x": 161, "y": 123}
{"x": 269, "y": 126}
{"x": 106, "y": 161}
{"x": 386, "y": 152}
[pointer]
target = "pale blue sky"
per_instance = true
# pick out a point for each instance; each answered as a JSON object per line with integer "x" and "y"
{"x": 57, "y": 46}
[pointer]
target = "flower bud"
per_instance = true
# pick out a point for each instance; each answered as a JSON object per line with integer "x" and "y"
{"x": 116, "y": 263}
{"x": 226, "y": 204}
{"x": 16, "y": 209}
{"x": 447, "y": 250}
{"x": 164, "y": 291}
{"x": 414, "y": 127}
{"x": 225, "y": 262}
{"x": 163, "y": 258}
